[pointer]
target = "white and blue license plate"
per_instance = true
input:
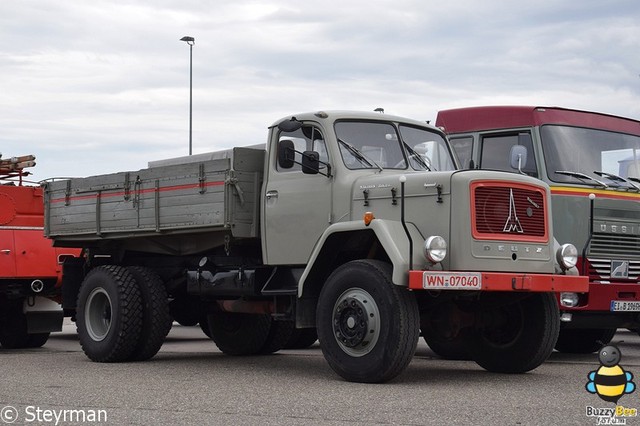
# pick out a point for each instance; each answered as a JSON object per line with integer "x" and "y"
{"x": 624, "y": 306}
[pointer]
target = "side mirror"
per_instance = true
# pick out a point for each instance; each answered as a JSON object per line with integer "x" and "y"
{"x": 310, "y": 163}
{"x": 518, "y": 157}
{"x": 289, "y": 126}
{"x": 286, "y": 154}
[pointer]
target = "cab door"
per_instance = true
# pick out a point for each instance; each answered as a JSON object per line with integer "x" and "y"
{"x": 7, "y": 253}
{"x": 297, "y": 206}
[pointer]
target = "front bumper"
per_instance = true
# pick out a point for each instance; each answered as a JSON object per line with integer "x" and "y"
{"x": 505, "y": 281}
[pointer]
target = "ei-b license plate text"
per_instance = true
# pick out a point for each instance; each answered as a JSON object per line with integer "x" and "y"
{"x": 625, "y": 306}
{"x": 434, "y": 280}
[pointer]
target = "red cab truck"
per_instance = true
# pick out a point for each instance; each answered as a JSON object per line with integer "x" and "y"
{"x": 30, "y": 267}
{"x": 591, "y": 161}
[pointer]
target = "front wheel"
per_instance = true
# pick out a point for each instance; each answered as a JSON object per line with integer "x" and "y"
{"x": 515, "y": 336}
{"x": 368, "y": 327}
{"x": 583, "y": 340}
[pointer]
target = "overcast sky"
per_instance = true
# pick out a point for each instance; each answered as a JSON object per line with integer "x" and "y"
{"x": 94, "y": 87}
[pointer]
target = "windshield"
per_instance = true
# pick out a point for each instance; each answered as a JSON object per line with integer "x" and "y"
{"x": 589, "y": 152}
{"x": 366, "y": 145}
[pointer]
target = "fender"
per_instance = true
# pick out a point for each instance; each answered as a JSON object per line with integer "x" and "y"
{"x": 392, "y": 238}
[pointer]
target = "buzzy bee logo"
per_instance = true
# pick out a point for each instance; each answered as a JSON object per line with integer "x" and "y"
{"x": 610, "y": 382}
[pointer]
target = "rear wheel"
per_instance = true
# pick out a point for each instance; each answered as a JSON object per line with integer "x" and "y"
{"x": 368, "y": 327}
{"x": 239, "y": 334}
{"x": 109, "y": 317}
{"x": 302, "y": 338}
{"x": 279, "y": 334}
{"x": 583, "y": 340}
{"x": 442, "y": 330}
{"x": 156, "y": 318}
{"x": 183, "y": 312}
{"x": 517, "y": 336}
{"x": 37, "y": 340}
{"x": 13, "y": 325}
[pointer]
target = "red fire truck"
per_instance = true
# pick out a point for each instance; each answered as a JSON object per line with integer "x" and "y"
{"x": 30, "y": 267}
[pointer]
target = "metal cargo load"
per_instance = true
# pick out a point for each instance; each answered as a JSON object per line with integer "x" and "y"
{"x": 219, "y": 193}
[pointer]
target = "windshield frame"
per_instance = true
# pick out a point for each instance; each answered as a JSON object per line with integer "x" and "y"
{"x": 573, "y": 149}
{"x": 388, "y": 150}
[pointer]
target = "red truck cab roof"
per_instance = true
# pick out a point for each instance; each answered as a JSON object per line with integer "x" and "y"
{"x": 461, "y": 120}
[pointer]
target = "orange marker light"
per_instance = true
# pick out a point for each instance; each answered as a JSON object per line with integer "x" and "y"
{"x": 368, "y": 217}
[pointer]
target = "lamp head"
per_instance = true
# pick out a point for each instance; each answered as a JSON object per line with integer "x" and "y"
{"x": 189, "y": 40}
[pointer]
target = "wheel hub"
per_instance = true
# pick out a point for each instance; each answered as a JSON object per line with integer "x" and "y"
{"x": 350, "y": 323}
{"x": 356, "y": 322}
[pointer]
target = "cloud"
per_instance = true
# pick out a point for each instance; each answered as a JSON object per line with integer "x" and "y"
{"x": 102, "y": 86}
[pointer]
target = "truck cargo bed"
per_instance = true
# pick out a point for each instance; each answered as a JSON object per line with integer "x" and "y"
{"x": 191, "y": 197}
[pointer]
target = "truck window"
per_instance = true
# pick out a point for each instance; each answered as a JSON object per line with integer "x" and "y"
{"x": 496, "y": 151}
{"x": 430, "y": 146}
{"x": 588, "y": 150}
{"x": 463, "y": 147}
{"x": 308, "y": 138}
{"x": 376, "y": 142}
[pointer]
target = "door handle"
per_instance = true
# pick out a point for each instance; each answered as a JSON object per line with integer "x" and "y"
{"x": 5, "y": 251}
{"x": 272, "y": 194}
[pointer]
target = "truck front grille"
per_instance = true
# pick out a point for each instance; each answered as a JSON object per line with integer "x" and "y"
{"x": 508, "y": 211}
{"x": 615, "y": 245}
{"x": 600, "y": 270}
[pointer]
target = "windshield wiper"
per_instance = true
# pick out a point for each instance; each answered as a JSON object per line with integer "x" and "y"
{"x": 419, "y": 158}
{"x": 359, "y": 155}
{"x": 584, "y": 178}
{"x": 616, "y": 178}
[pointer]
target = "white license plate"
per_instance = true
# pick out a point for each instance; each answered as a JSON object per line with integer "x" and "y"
{"x": 433, "y": 280}
{"x": 622, "y": 306}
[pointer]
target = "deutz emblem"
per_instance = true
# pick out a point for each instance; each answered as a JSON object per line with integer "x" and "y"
{"x": 513, "y": 223}
{"x": 619, "y": 269}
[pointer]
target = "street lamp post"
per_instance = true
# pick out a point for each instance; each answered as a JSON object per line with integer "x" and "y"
{"x": 190, "y": 41}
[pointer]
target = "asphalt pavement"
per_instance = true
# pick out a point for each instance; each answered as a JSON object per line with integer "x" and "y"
{"x": 190, "y": 382}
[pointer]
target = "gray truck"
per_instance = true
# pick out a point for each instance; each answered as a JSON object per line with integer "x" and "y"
{"x": 354, "y": 224}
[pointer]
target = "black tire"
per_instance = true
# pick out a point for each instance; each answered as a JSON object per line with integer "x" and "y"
{"x": 279, "y": 334}
{"x": 183, "y": 313}
{"x": 204, "y": 326}
{"x": 302, "y": 338}
{"x": 37, "y": 340}
{"x": 442, "y": 331}
{"x": 109, "y": 318}
{"x": 156, "y": 318}
{"x": 239, "y": 334}
{"x": 13, "y": 329}
{"x": 583, "y": 340}
{"x": 516, "y": 337}
{"x": 447, "y": 347}
{"x": 368, "y": 327}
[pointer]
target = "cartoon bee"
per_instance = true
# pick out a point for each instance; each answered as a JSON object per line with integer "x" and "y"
{"x": 610, "y": 381}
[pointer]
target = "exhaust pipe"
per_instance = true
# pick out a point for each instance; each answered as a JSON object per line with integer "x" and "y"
{"x": 37, "y": 286}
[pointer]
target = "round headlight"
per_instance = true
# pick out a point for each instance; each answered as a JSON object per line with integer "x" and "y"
{"x": 570, "y": 300}
{"x": 435, "y": 249}
{"x": 567, "y": 256}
